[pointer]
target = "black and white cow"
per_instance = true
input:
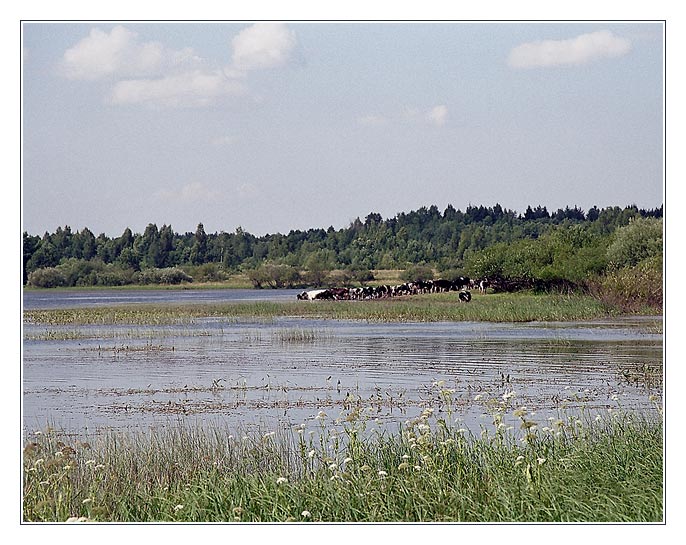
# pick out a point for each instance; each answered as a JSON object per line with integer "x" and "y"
{"x": 314, "y": 295}
{"x": 461, "y": 282}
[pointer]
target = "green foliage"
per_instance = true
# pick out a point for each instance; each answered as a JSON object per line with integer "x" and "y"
{"x": 318, "y": 265}
{"x": 207, "y": 272}
{"x": 418, "y": 272}
{"x": 48, "y": 277}
{"x": 636, "y": 242}
{"x": 565, "y": 255}
{"x": 632, "y": 289}
{"x": 274, "y": 275}
{"x": 538, "y": 247}
{"x": 169, "y": 275}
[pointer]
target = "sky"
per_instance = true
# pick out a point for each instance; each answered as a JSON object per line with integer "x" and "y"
{"x": 281, "y": 126}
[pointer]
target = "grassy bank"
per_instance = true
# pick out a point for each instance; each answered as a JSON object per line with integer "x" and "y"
{"x": 421, "y": 308}
{"x": 577, "y": 468}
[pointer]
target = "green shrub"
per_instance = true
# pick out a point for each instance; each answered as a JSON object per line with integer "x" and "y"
{"x": 636, "y": 242}
{"x": 418, "y": 272}
{"x": 631, "y": 289}
{"x": 49, "y": 277}
{"x": 170, "y": 275}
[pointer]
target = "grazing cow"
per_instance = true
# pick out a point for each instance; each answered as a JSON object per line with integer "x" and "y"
{"x": 441, "y": 285}
{"x": 422, "y": 286}
{"x": 465, "y": 296}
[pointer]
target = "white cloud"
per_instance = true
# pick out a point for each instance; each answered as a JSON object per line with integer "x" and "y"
{"x": 151, "y": 74}
{"x": 438, "y": 115}
{"x": 189, "y": 193}
{"x": 192, "y": 88}
{"x": 262, "y": 45}
{"x": 222, "y": 141}
{"x": 580, "y": 50}
{"x": 372, "y": 120}
{"x": 118, "y": 52}
{"x": 247, "y": 190}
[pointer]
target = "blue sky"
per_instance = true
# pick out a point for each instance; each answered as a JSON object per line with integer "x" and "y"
{"x": 274, "y": 126}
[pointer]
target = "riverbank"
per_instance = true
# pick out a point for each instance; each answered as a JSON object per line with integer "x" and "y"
{"x": 518, "y": 307}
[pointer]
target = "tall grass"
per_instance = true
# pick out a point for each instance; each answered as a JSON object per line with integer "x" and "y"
{"x": 574, "y": 468}
{"x": 422, "y": 308}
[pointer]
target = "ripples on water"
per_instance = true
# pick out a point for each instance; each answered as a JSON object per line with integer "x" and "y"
{"x": 281, "y": 373}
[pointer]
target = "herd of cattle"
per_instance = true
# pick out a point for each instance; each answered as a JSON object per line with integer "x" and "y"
{"x": 460, "y": 285}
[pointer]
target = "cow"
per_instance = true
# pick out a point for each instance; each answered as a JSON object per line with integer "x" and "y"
{"x": 461, "y": 282}
{"x": 465, "y": 296}
{"x": 313, "y": 295}
{"x": 441, "y": 285}
{"x": 483, "y": 285}
{"x": 340, "y": 294}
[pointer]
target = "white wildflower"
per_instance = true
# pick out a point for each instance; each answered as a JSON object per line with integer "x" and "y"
{"x": 509, "y": 395}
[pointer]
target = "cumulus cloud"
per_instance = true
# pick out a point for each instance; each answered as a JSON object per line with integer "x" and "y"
{"x": 262, "y": 45}
{"x": 580, "y": 50}
{"x": 191, "y": 88}
{"x": 151, "y": 74}
{"x": 102, "y": 54}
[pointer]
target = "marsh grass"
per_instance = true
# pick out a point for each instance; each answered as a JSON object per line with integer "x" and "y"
{"x": 421, "y": 308}
{"x": 578, "y": 467}
{"x": 300, "y": 335}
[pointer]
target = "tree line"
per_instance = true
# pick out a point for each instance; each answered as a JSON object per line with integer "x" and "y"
{"x": 565, "y": 246}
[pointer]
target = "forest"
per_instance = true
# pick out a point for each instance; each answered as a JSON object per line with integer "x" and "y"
{"x": 569, "y": 249}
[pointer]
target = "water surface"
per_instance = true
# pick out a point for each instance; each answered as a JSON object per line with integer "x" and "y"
{"x": 269, "y": 374}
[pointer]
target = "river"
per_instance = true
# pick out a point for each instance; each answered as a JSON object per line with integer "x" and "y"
{"x": 282, "y": 373}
